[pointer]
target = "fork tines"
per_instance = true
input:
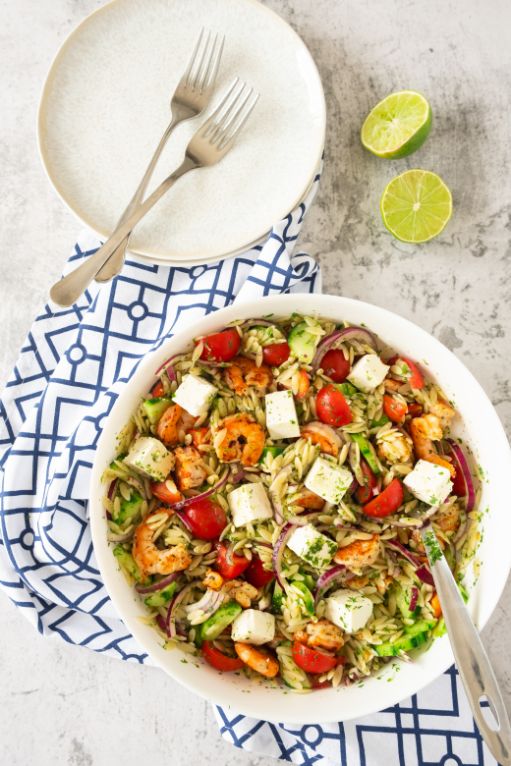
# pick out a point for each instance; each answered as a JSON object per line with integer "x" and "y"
{"x": 203, "y": 66}
{"x": 231, "y": 114}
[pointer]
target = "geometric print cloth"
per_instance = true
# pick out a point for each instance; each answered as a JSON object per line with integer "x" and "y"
{"x": 70, "y": 371}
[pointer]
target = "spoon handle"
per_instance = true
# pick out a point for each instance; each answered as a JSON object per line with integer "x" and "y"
{"x": 471, "y": 659}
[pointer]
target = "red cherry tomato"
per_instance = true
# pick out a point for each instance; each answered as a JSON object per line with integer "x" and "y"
{"x": 257, "y": 575}
{"x": 166, "y": 491}
{"x": 415, "y": 378}
{"x": 335, "y": 365}
{"x": 233, "y": 568}
{"x": 386, "y": 502}
{"x": 157, "y": 390}
{"x": 276, "y": 354}
{"x": 365, "y": 492}
{"x": 312, "y": 660}
{"x": 394, "y": 409}
{"x": 414, "y": 409}
{"x": 221, "y": 346}
{"x": 332, "y": 407}
{"x": 206, "y": 519}
{"x": 219, "y": 660}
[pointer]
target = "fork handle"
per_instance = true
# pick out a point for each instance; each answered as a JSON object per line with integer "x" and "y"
{"x": 473, "y": 663}
{"x": 67, "y": 290}
{"x": 116, "y": 260}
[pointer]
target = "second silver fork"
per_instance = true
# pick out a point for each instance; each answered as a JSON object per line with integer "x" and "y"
{"x": 191, "y": 97}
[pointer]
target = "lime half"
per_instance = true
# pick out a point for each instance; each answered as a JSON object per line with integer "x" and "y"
{"x": 416, "y": 206}
{"x": 398, "y": 125}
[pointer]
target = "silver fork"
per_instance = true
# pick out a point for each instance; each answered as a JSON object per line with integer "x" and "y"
{"x": 207, "y": 146}
{"x": 191, "y": 97}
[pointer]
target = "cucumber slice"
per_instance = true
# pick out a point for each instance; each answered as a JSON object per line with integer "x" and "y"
{"x": 347, "y": 388}
{"x": 127, "y": 563}
{"x": 154, "y": 408}
{"x": 381, "y": 422}
{"x": 304, "y": 596}
{"x": 403, "y": 596}
{"x": 421, "y": 626}
{"x": 162, "y": 597}
{"x": 129, "y": 509}
{"x": 404, "y": 644}
{"x": 368, "y": 453}
{"x": 277, "y": 599}
{"x": 217, "y": 623}
{"x": 271, "y": 451}
{"x": 303, "y": 343}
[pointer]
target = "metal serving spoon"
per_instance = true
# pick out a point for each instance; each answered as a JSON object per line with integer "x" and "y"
{"x": 471, "y": 659}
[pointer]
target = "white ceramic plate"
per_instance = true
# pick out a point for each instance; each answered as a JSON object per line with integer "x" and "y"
{"x": 482, "y": 430}
{"x": 105, "y": 105}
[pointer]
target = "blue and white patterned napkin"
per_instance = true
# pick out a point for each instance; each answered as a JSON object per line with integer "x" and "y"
{"x": 71, "y": 369}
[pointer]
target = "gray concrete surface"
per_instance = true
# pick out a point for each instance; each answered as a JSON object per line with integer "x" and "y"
{"x": 62, "y": 705}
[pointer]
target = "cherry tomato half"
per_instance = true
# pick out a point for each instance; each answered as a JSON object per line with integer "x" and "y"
{"x": 312, "y": 660}
{"x": 276, "y": 354}
{"x": 415, "y": 378}
{"x": 257, "y": 575}
{"x": 221, "y": 346}
{"x": 365, "y": 492}
{"x": 332, "y": 407}
{"x": 335, "y": 365}
{"x": 157, "y": 390}
{"x": 166, "y": 491}
{"x": 206, "y": 519}
{"x": 233, "y": 568}
{"x": 386, "y": 502}
{"x": 219, "y": 660}
{"x": 394, "y": 409}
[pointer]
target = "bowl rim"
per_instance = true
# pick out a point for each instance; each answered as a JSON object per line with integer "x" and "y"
{"x": 439, "y": 655}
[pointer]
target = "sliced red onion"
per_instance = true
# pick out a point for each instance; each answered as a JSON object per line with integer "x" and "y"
{"x": 425, "y": 575}
{"x": 237, "y": 475}
{"x": 327, "y": 578}
{"x": 208, "y": 604}
{"x": 166, "y": 364}
{"x": 182, "y": 504}
{"x": 414, "y": 597}
{"x": 161, "y": 623}
{"x": 348, "y": 333}
{"x": 460, "y": 458}
{"x": 111, "y": 489}
{"x": 403, "y": 550}
{"x": 278, "y": 552}
{"x": 170, "y": 619}
{"x": 156, "y": 586}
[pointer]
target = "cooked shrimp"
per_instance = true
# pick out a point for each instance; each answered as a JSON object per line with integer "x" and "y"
{"x": 190, "y": 469}
{"x": 395, "y": 447}
{"x": 448, "y": 518}
{"x": 173, "y": 423}
{"x": 426, "y": 430}
{"x": 257, "y": 659}
{"x": 152, "y": 560}
{"x": 244, "y": 374}
{"x": 443, "y": 411}
{"x": 360, "y": 553}
{"x": 309, "y": 500}
{"x": 299, "y": 384}
{"x": 240, "y": 591}
{"x": 325, "y": 634}
{"x": 201, "y": 437}
{"x": 323, "y": 436}
{"x": 392, "y": 385}
{"x": 213, "y": 580}
{"x": 239, "y": 438}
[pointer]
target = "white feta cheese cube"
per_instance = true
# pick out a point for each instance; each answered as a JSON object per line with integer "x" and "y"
{"x": 429, "y": 482}
{"x": 328, "y": 479}
{"x": 195, "y": 394}
{"x": 368, "y": 372}
{"x": 249, "y": 503}
{"x": 149, "y": 457}
{"x": 253, "y": 627}
{"x": 281, "y": 417}
{"x": 312, "y": 546}
{"x": 348, "y": 609}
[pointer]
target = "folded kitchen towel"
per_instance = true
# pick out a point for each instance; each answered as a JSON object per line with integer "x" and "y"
{"x": 70, "y": 371}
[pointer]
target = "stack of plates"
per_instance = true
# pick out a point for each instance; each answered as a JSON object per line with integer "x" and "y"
{"x": 106, "y": 102}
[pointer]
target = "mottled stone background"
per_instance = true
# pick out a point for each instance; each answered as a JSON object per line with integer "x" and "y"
{"x": 62, "y": 705}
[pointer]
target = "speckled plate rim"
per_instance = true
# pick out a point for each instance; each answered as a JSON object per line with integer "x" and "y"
{"x": 144, "y": 254}
{"x": 486, "y": 436}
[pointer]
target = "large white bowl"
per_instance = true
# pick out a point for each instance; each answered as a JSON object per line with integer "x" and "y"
{"x": 481, "y": 428}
